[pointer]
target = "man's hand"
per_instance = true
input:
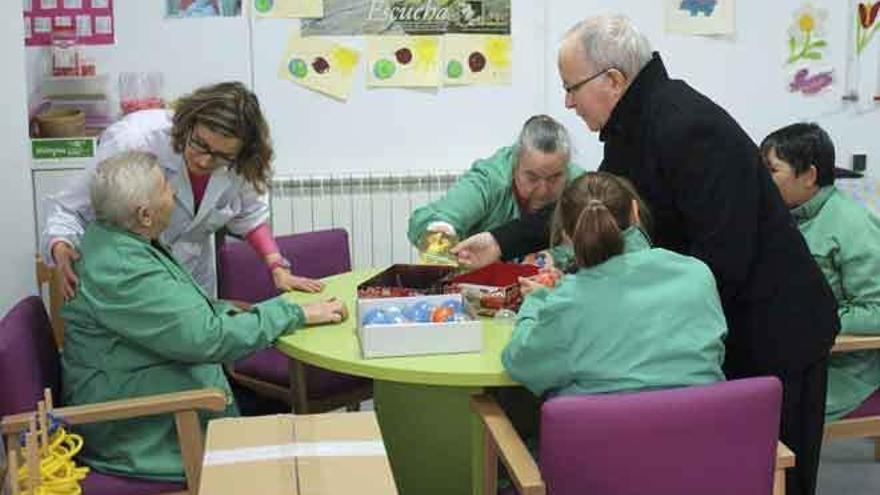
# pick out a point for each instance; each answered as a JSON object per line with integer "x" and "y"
{"x": 64, "y": 256}
{"x": 329, "y": 311}
{"x": 477, "y": 251}
{"x": 285, "y": 281}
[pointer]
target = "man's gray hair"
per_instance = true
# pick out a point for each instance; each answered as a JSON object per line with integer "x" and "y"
{"x": 121, "y": 184}
{"x": 612, "y": 41}
{"x": 543, "y": 133}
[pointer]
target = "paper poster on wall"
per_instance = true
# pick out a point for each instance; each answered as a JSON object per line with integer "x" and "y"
{"x": 289, "y": 8}
{"x": 700, "y": 17}
{"x": 806, "y": 34}
{"x": 863, "y": 26}
{"x": 180, "y": 9}
{"x": 807, "y": 51}
{"x": 319, "y": 65}
{"x": 398, "y": 17}
{"x": 92, "y": 21}
{"x": 403, "y": 61}
{"x": 476, "y": 59}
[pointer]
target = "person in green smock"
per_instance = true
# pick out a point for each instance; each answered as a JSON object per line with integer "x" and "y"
{"x": 844, "y": 239}
{"x": 140, "y": 325}
{"x": 631, "y": 317}
{"x": 524, "y": 178}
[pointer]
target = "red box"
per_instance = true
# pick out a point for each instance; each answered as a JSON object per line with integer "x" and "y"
{"x": 492, "y": 287}
{"x": 406, "y": 280}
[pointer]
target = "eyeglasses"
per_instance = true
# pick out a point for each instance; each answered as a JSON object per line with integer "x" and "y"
{"x": 572, "y": 89}
{"x": 202, "y": 148}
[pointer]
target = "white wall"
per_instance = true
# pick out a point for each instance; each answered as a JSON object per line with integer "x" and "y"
{"x": 16, "y": 207}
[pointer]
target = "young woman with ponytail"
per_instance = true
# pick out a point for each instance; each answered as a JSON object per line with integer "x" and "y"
{"x": 630, "y": 317}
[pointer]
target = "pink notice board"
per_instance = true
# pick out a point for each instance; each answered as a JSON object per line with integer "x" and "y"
{"x": 92, "y": 19}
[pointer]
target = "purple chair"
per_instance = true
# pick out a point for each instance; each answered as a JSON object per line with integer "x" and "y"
{"x": 864, "y": 421}
{"x": 243, "y": 276}
{"x": 29, "y": 363}
{"x": 719, "y": 439}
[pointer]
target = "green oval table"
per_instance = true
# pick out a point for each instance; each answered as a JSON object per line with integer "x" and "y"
{"x": 434, "y": 440}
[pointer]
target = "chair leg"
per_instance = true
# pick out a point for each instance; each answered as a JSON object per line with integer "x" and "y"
{"x": 353, "y": 407}
{"x": 298, "y": 387}
{"x": 189, "y": 432}
{"x": 877, "y": 449}
{"x": 778, "y": 482}
{"x": 490, "y": 465}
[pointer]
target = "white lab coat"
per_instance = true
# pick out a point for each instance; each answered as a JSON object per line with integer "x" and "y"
{"x": 229, "y": 199}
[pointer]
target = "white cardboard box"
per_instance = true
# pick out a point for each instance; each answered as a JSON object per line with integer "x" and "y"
{"x": 411, "y": 339}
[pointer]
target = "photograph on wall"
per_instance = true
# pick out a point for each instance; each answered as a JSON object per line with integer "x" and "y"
{"x": 476, "y": 59}
{"x": 184, "y": 9}
{"x": 88, "y": 22}
{"x": 289, "y": 8}
{"x": 319, "y": 65}
{"x": 403, "y": 61}
{"x": 398, "y": 17}
{"x": 700, "y": 17}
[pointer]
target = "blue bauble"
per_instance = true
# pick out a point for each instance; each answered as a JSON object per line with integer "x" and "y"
{"x": 394, "y": 314}
{"x": 376, "y": 316}
{"x": 419, "y": 312}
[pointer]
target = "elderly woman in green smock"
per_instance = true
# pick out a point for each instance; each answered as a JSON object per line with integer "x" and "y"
{"x": 844, "y": 239}
{"x": 140, "y": 325}
{"x": 516, "y": 180}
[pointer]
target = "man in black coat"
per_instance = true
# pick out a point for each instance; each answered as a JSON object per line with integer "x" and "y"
{"x": 710, "y": 197}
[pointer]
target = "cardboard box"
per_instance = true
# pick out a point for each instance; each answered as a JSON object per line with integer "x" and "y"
{"x": 404, "y": 280}
{"x": 410, "y": 338}
{"x": 321, "y": 454}
{"x": 492, "y": 287}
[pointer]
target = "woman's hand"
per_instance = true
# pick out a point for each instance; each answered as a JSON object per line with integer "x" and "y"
{"x": 285, "y": 281}
{"x": 64, "y": 256}
{"x": 328, "y": 311}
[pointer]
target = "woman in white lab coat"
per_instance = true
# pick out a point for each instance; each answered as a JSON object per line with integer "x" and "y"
{"x": 214, "y": 149}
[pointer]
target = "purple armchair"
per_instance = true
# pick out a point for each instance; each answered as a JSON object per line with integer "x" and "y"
{"x": 719, "y": 439}
{"x": 243, "y": 276}
{"x": 29, "y": 363}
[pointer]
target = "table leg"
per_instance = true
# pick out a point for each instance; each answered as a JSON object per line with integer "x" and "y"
{"x": 433, "y": 439}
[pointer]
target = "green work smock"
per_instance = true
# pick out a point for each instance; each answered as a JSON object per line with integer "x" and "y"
{"x": 480, "y": 200}
{"x": 844, "y": 239}
{"x": 645, "y": 319}
{"x": 140, "y": 325}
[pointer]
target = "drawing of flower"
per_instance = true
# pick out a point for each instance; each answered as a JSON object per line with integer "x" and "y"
{"x": 866, "y": 24}
{"x": 805, "y": 34}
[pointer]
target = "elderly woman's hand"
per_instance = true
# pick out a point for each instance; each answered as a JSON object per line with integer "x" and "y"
{"x": 477, "y": 251}
{"x": 328, "y": 311}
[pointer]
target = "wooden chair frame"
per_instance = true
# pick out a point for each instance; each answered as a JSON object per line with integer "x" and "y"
{"x": 500, "y": 440}
{"x": 184, "y": 406}
{"x": 865, "y": 427}
{"x": 48, "y": 276}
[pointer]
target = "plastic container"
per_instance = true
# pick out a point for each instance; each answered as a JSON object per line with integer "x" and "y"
{"x": 140, "y": 91}
{"x": 66, "y": 51}
{"x": 62, "y": 122}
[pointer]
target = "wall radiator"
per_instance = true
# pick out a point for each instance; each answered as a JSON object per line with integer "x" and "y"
{"x": 373, "y": 207}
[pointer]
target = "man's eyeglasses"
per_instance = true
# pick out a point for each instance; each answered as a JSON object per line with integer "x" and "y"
{"x": 201, "y": 148}
{"x": 578, "y": 85}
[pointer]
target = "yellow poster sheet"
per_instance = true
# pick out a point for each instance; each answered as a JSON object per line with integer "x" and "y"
{"x": 320, "y": 65}
{"x": 289, "y": 8}
{"x": 483, "y": 59}
{"x": 403, "y": 61}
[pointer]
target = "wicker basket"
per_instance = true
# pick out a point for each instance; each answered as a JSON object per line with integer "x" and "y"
{"x": 62, "y": 122}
